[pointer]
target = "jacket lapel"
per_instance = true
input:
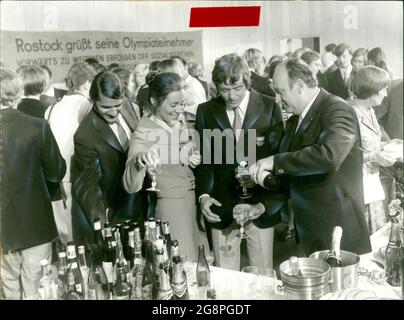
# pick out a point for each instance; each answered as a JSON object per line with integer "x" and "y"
{"x": 105, "y": 131}
{"x": 289, "y": 133}
{"x": 254, "y": 109}
{"x": 368, "y": 124}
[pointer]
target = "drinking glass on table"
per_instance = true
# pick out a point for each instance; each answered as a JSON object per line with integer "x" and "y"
{"x": 266, "y": 283}
{"x": 250, "y": 282}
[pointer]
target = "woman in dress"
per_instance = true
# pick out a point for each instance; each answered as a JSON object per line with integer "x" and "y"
{"x": 369, "y": 87}
{"x": 165, "y": 133}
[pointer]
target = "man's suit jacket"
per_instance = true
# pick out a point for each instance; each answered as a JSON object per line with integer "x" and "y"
{"x": 32, "y": 107}
{"x": 336, "y": 84}
{"x": 29, "y": 158}
{"x": 218, "y": 180}
{"x": 261, "y": 84}
{"x": 322, "y": 163}
{"x": 390, "y": 112}
{"x": 100, "y": 163}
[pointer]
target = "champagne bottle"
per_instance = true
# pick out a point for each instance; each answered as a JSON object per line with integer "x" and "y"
{"x": 98, "y": 238}
{"x": 148, "y": 273}
{"x": 202, "y": 273}
{"x": 167, "y": 238}
{"x": 165, "y": 291}
{"x": 72, "y": 293}
{"x": 125, "y": 241}
{"x": 152, "y": 231}
{"x": 159, "y": 259}
{"x": 83, "y": 268}
{"x": 62, "y": 274}
{"x": 178, "y": 280}
{"x": 393, "y": 254}
{"x": 334, "y": 256}
{"x": 98, "y": 285}
{"x": 137, "y": 264}
{"x": 122, "y": 288}
{"x": 74, "y": 268}
{"x": 120, "y": 259}
{"x": 109, "y": 254}
{"x": 294, "y": 267}
{"x": 145, "y": 238}
{"x": 175, "y": 252}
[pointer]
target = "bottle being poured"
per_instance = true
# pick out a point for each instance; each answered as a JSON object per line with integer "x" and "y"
{"x": 333, "y": 258}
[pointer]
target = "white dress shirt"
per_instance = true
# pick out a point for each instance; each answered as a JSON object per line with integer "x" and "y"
{"x": 306, "y": 109}
{"x": 243, "y": 108}
{"x": 114, "y": 128}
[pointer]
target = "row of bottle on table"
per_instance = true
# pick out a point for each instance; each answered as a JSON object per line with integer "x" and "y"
{"x": 125, "y": 263}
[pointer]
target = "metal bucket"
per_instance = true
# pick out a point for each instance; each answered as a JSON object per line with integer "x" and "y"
{"x": 312, "y": 286}
{"x": 342, "y": 277}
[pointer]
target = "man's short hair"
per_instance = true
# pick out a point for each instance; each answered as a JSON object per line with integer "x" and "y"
{"x": 330, "y": 47}
{"x": 368, "y": 81}
{"x": 252, "y": 56}
{"x": 340, "y": 49}
{"x": 34, "y": 79}
{"x": 10, "y": 86}
{"x": 310, "y": 56}
{"x": 229, "y": 68}
{"x": 298, "y": 69}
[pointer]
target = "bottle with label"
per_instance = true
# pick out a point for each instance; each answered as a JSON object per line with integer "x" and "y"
{"x": 72, "y": 293}
{"x": 125, "y": 241}
{"x": 393, "y": 254}
{"x": 167, "y": 238}
{"x": 62, "y": 274}
{"x": 152, "y": 231}
{"x": 202, "y": 273}
{"x": 159, "y": 230}
{"x": 145, "y": 238}
{"x": 148, "y": 274}
{"x": 175, "y": 252}
{"x": 178, "y": 280}
{"x": 98, "y": 238}
{"x": 120, "y": 258}
{"x": 122, "y": 288}
{"x": 84, "y": 269}
{"x": 334, "y": 256}
{"x": 73, "y": 266}
{"x": 98, "y": 285}
{"x": 159, "y": 259}
{"x": 46, "y": 284}
{"x": 109, "y": 254}
{"x": 165, "y": 291}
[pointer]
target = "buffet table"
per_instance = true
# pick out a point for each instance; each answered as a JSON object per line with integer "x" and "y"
{"x": 233, "y": 285}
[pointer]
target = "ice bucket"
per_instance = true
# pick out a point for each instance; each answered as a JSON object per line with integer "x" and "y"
{"x": 342, "y": 277}
{"x": 313, "y": 284}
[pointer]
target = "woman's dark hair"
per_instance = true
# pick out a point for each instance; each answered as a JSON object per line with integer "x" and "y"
{"x": 161, "y": 85}
{"x": 107, "y": 84}
{"x": 368, "y": 81}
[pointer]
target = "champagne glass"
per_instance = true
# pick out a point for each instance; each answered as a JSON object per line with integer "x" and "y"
{"x": 241, "y": 216}
{"x": 243, "y": 175}
{"x": 154, "y": 169}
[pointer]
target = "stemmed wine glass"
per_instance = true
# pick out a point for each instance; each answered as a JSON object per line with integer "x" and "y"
{"x": 154, "y": 170}
{"x": 241, "y": 216}
{"x": 243, "y": 175}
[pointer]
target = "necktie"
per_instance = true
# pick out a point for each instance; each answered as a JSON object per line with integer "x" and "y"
{"x": 237, "y": 123}
{"x": 123, "y": 138}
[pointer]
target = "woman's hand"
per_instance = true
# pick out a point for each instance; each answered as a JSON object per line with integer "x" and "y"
{"x": 382, "y": 158}
{"x": 195, "y": 159}
{"x": 144, "y": 159}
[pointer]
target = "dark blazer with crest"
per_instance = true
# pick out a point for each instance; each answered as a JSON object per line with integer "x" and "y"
{"x": 263, "y": 117}
{"x": 322, "y": 163}
{"x": 99, "y": 165}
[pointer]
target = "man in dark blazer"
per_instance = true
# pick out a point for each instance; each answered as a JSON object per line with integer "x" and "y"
{"x": 29, "y": 158}
{"x": 256, "y": 62}
{"x": 337, "y": 80}
{"x": 216, "y": 186}
{"x": 321, "y": 160}
{"x": 101, "y": 143}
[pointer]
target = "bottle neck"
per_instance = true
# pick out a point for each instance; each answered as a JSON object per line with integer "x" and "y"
{"x": 395, "y": 239}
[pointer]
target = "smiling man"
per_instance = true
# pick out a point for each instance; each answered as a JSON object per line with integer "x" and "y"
{"x": 320, "y": 160}
{"x": 237, "y": 113}
{"x": 101, "y": 144}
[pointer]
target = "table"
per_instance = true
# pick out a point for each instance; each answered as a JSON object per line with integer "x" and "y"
{"x": 233, "y": 285}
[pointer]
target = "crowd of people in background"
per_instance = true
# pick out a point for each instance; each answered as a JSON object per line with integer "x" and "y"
{"x": 321, "y": 124}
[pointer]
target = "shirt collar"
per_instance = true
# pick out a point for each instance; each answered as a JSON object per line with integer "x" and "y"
{"x": 344, "y": 71}
{"x": 307, "y": 108}
{"x": 244, "y": 103}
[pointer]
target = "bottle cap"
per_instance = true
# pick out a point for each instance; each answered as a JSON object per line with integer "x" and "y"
{"x": 81, "y": 249}
{"x": 62, "y": 254}
{"x": 243, "y": 164}
{"x": 174, "y": 243}
{"x": 44, "y": 262}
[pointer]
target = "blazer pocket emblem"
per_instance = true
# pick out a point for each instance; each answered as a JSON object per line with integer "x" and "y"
{"x": 260, "y": 141}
